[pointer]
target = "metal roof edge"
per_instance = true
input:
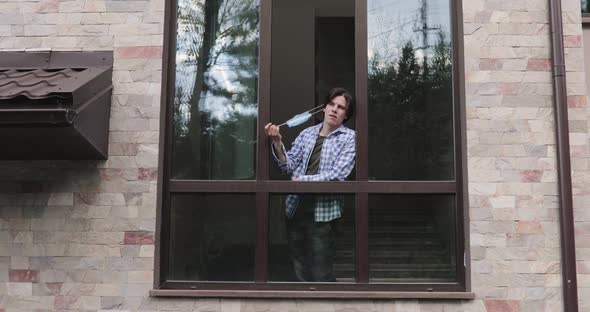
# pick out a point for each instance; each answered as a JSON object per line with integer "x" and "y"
{"x": 95, "y": 83}
{"x": 55, "y": 59}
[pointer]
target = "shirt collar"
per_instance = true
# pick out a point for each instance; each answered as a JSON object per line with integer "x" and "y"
{"x": 342, "y": 128}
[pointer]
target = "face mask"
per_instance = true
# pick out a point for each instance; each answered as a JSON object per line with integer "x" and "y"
{"x": 303, "y": 117}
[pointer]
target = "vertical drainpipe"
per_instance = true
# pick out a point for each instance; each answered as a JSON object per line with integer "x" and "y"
{"x": 568, "y": 256}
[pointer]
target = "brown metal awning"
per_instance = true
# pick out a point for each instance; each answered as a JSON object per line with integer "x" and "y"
{"x": 55, "y": 105}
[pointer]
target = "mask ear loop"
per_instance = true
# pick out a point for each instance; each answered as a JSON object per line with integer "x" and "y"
{"x": 311, "y": 112}
{"x": 317, "y": 109}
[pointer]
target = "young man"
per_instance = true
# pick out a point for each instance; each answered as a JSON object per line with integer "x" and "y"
{"x": 324, "y": 152}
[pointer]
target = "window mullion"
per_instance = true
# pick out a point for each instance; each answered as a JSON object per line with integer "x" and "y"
{"x": 263, "y": 150}
{"x": 361, "y": 87}
{"x": 262, "y": 242}
{"x": 264, "y": 69}
{"x": 362, "y": 120}
{"x": 362, "y": 237}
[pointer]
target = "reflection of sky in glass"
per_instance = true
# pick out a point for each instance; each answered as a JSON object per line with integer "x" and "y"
{"x": 391, "y": 23}
{"x": 410, "y": 90}
{"x": 224, "y": 71}
{"x": 585, "y": 6}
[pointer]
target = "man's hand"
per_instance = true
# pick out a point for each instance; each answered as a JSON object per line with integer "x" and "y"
{"x": 274, "y": 132}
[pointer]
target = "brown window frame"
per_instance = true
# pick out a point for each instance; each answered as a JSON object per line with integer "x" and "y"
{"x": 263, "y": 186}
{"x": 585, "y": 17}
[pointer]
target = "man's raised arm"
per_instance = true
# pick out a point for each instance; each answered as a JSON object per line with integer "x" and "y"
{"x": 273, "y": 131}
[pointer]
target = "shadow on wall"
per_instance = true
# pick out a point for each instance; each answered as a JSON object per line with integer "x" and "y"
{"x": 68, "y": 189}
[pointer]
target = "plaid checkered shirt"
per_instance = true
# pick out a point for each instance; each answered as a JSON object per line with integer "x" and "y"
{"x": 336, "y": 163}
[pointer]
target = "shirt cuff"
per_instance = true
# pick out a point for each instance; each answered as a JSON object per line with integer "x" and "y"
{"x": 310, "y": 178}
{"x": 274, "y": 154}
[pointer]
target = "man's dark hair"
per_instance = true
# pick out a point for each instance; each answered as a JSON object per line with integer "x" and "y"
{"x": 349, "y": 100}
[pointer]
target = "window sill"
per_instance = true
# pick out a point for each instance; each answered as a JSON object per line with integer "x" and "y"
{"x": 311, "y": 294}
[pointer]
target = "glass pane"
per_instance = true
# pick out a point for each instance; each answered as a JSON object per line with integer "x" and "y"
{"x": 312, "y": 52}
{"x": 212, "y": 237}
{"x": 585, "y": 6}
{"x": 410, "y": 90}
{"x": 314, "y": 244}
{"x": 412, "y": 238}
{"x": 215, "y": 92}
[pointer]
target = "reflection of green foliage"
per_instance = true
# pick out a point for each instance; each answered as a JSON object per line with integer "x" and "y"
{"x": 411, "y": 105}
{"x": 238, "y": 44}
{"x": 216, "y": 75}
{"x": 217, "y": 35}
{"x": 180, "y": 124}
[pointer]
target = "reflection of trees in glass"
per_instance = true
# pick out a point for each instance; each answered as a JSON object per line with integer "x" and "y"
{"x": 215, "y": 93}
{"x": 585, "y": 6}
{"x": 411, "y": 133}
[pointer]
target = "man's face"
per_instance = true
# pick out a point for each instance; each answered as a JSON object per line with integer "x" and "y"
{"x": 335, "y": 111}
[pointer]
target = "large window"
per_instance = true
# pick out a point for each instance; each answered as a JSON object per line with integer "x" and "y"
{"x": 232, "y": 66}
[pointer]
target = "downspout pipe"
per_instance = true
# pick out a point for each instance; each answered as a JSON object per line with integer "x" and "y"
{"x": 568, "y": 256}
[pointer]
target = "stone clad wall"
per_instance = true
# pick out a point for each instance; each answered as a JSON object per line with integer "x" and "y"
{"x": 78, "y": 235}
{"x": 515, "y": 248}
{"x": 511, "y": 153}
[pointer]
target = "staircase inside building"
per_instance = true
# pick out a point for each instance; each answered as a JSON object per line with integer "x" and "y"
{"x": 405, "y": 245}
